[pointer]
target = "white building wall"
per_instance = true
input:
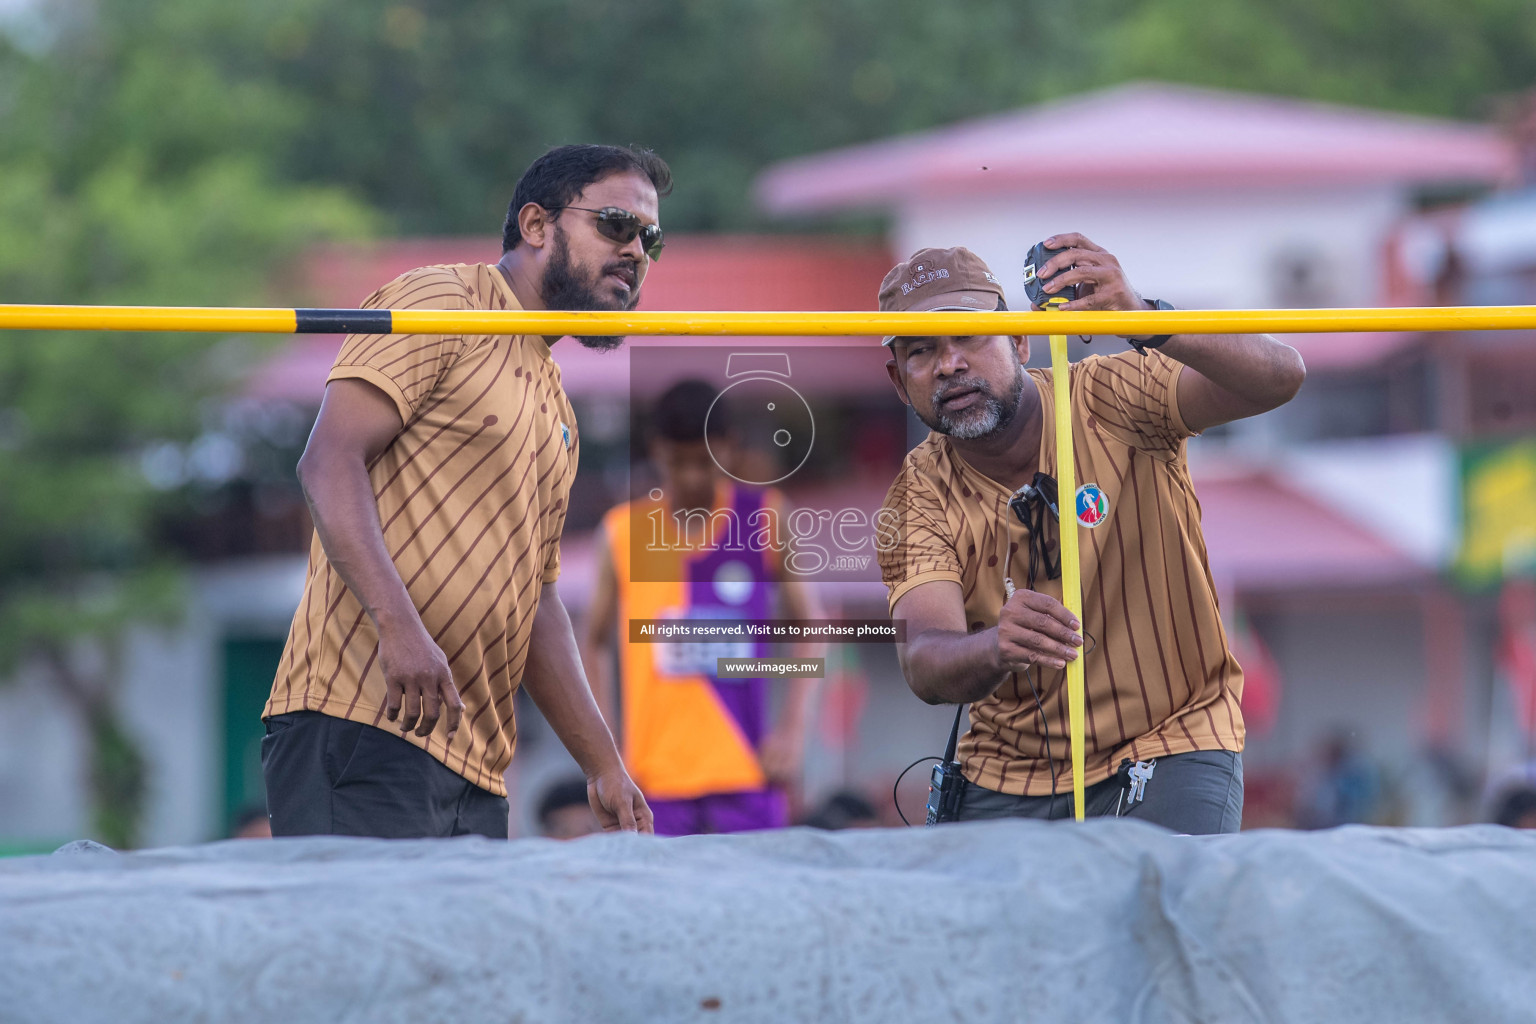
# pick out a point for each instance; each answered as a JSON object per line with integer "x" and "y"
{"x": 171, "y": 700}
{"x": 1355, "y": 670}
{"x": 42, "y": 765}
{"x": 1196, "y": 248}
{"x": 173, "y": 689}
{"x": 1405, "y": 488}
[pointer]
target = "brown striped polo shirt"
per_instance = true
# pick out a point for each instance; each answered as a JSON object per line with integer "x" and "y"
{"x": 472, "y": 498}
{"x": 1160, "y": 678}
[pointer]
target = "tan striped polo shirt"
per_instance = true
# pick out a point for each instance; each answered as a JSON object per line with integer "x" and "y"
{"x": 472, "y": 498}
{"x": 1159, "y": 676}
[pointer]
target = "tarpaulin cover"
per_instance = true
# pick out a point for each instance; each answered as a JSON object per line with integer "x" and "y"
{"x": 1006, "y": 921}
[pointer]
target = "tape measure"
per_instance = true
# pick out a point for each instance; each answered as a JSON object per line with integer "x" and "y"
{"x": 1034, "y": 285}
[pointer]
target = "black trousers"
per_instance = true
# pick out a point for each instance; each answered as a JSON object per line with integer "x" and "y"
{"x": 329, "y": 776}
{"x": 1199, "y": 793}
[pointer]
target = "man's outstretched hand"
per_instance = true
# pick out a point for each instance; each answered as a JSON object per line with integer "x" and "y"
{"x": 618, "y": 803}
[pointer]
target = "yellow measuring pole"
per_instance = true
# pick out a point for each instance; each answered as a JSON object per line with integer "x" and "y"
{"x": 148, "y": 318}
{"x": 554, "y": 324}
{"x": 1071, "y": 567}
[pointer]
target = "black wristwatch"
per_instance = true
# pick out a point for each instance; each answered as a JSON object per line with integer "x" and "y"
{"x": 1157, "y": 339}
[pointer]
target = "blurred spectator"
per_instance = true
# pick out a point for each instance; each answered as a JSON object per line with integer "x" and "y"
{"x": 1348, "y": 791}
{"x": 564, "y": 812}
{"x": 1269, "y": 798}
{"x": 1516, "y": 808}
{"x": 251, "y": 823}
{"x": 1435, "y": 789}
{"x": 710, "y": 753}
{"x": 844, "y": 809}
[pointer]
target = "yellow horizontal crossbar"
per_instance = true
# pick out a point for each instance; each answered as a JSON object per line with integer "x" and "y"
{"x": 425, "y": 321}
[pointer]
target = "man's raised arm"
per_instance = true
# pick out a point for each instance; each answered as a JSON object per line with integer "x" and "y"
{"x": 1225, "y": 377}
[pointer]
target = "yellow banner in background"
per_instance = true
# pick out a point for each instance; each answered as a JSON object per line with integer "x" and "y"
{"x": 1498, "y": 504}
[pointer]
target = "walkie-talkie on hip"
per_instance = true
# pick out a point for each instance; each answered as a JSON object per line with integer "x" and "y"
{"x": 946, "y": 782}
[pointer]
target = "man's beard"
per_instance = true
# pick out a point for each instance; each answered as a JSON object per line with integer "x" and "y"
{"x": 978, "y": 421}
{"x": 565, "y": 288}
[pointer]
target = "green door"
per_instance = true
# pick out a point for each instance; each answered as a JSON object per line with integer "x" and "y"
{"x": 249, "y": 666}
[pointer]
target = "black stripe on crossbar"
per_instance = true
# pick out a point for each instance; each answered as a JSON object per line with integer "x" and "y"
{"x": 344, "y": 321}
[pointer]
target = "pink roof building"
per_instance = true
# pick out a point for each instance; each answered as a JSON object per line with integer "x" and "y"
{"x": 1139, "y": 137}
{"x": 1211, "y": 199}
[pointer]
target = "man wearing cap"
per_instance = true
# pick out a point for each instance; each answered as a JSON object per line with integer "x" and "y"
{"x": 977, "y": 580}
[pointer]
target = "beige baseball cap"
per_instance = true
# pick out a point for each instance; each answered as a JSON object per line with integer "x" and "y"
{"x": 940, "y": 279}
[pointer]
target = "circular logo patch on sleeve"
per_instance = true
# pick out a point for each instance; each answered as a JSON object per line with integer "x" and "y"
{"x": 1092, "y": 505}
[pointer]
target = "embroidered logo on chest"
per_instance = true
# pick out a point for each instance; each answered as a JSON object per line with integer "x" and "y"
{"x": 565, "y": 435}
{"x": 1092, "y": 505}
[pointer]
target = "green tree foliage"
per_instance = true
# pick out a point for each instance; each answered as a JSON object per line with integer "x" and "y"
{"x": 1443, "y": 57}
{"x": 462, "y": 95}
{"x": 430, "y": 108}
{"x": 129, "y": 178}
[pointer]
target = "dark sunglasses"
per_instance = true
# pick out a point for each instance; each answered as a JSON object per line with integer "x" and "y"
{"x": 622, "y": 226}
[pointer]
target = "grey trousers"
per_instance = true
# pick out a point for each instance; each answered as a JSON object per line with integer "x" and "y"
{"x": 1199, "y": 793}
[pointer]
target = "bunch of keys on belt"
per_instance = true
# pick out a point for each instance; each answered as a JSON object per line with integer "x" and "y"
{"x": 1134, "y": 778}
{"x": 1141, "y": 774}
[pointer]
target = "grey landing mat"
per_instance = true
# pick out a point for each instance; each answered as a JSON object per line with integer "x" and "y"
{"x": 992, "y": 921}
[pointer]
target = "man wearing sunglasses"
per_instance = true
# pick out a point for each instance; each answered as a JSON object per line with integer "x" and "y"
{"x": 975, "y": 570}
{"x": 438, "y": 475}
